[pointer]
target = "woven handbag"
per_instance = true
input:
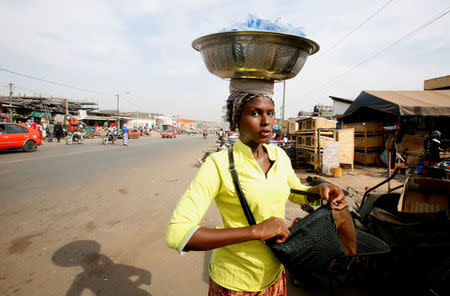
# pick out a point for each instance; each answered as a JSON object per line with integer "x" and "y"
{"x": 314, "y": 240}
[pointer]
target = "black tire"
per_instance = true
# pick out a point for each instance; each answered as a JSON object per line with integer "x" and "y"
{"x": 29, "y": 146}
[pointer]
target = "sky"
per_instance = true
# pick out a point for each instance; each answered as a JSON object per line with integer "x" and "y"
{"x": 101, "y": 48}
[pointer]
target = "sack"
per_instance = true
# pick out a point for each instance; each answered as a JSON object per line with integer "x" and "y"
{"x": 313, "y": 243}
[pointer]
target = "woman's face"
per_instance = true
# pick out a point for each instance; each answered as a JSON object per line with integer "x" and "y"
{"x": 257, "y": 119}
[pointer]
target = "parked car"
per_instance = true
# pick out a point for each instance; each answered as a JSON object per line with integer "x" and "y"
{"x": 169, "y": 134}
{"x": 134, "y": 133}
{"x": 16, "y": 135}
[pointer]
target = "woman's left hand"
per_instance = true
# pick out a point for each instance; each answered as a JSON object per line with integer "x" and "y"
{"x": 334, "y": 194}
{"x": 331, "y": 193}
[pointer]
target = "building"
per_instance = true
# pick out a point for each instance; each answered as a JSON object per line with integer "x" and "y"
{"x": 340, "y": 105}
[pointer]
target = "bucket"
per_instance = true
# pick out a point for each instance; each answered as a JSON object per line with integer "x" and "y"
{"x": 336, "y": 172}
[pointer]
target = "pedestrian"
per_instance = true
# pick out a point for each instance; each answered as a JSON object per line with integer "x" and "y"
{"x": 39, "y": 129}
{"x": 285, "y": 141}
{"x": 432, "y": 147}
{"x": 125, "y": 135}
{"x": 50, "y": 130}
{"x": 241, "y": 264}
{"x": 58, "y": 131}
{"x": 221, "y": 134}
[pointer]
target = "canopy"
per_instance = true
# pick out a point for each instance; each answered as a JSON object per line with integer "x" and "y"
{"x": 400, "y": 103}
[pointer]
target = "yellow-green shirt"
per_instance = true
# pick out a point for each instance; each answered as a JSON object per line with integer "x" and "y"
{"x": 248, "y": 266}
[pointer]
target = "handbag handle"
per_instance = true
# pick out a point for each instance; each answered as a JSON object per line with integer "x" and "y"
{"x": 237, "y": 186}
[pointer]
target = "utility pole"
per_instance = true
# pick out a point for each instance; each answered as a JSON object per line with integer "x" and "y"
{"x": 125, "y": 93}
{"x": 117, "y": 112}
{"x": 10, "y": 101}
{"x": 284, "y": 100}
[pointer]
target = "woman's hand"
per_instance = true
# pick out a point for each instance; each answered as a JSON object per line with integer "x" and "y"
{"x": 331, "y": 193}
{"x": 272, "y": 227}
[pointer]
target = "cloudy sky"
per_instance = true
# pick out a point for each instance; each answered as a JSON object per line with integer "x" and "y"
{"x": 144, "y": 47}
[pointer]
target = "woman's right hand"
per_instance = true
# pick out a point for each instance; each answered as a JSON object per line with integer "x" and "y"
{"x": 272, "y": 227}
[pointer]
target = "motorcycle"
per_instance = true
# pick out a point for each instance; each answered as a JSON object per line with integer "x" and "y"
{"x": 110, "y": 137}
{"x": 74, "y": 137}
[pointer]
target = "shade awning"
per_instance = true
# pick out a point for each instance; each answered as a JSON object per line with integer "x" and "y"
{"x": 401, "y": 103}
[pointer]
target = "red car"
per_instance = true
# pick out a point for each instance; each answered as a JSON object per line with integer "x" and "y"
{"x": 134, "y": 133}
{"x": 16, "y": 135}
{"x": 169, "y": 134}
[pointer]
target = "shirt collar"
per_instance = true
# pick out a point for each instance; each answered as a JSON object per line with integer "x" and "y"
{"x": 240, "y": 146}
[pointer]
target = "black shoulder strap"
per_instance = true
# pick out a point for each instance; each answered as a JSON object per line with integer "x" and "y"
{"x": 237, "y": 186}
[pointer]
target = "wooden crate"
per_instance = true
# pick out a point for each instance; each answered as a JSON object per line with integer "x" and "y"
{"x": 314, "y": 123}
{"x": 310, "y": 140}
{"x": 360, "y": 127}
{"x": 368, "y": 141}
{"x": 346, "y": 140}
{"x": 312, "y": 158}
{"x": 292, "y": 126}
{"x": 366, "y": 157}
{"x": 308, "y": 156}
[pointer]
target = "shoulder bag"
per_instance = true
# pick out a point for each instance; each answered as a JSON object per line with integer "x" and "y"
{"x": 314, "y": 241}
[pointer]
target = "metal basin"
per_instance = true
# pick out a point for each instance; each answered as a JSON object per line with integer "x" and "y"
{"x": 254, "y": 54}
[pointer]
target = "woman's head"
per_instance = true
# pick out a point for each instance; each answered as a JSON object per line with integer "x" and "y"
{"x": 253, "y": 114}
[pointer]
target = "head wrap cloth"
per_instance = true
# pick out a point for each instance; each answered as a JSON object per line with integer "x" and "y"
{"x": 243, "y": 90}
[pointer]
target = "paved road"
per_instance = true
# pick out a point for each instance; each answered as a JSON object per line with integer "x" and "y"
{"x": 108, "y": 200}
{"x": 90, "y": 219}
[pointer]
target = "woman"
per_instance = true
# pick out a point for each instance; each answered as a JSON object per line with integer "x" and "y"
{"x": 58, "y": 131}
{"x": 125, "y": 135}
{"x": 241, "y": 263}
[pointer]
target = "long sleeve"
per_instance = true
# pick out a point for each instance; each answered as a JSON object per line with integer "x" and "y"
{"x": 193, "y": 205}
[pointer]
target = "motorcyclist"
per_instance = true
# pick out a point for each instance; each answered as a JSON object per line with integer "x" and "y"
{"x": 80, "y": 132}
{"x": 110, "y": 134}
{"x": 205, "y": 134}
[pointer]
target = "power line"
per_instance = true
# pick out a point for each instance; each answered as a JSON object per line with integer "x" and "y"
{"x": 63, "y": 85}
{"x": 355, "y": 29}
{"x": 55, "y": 83}
{"x": 381, "y": 52}
{"x": 132, "y": 103}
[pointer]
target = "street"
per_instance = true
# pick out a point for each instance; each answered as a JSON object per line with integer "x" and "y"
{"x": 90, "y": 219}
{"x": 110, "y": 200}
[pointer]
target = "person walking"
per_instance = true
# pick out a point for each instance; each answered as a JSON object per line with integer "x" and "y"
{"x": 50, "y": 130}
{"x": 125, "y": 135}
{"x": 58, "y": 131}
{"x": 241, "y": 264}
{"x": 432, "y": 147}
